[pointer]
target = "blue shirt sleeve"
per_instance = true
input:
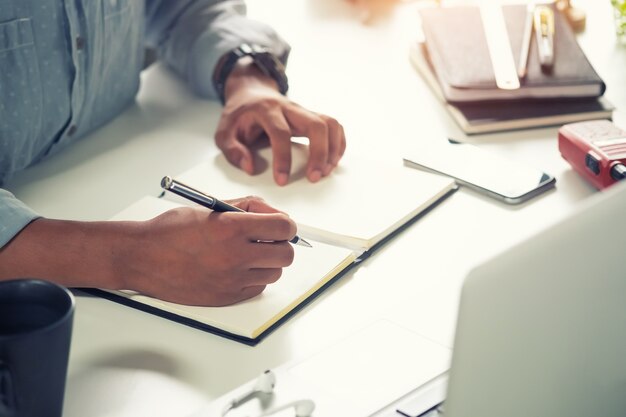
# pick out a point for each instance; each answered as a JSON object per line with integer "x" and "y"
{"x": 192, "y": 35}
{"x": 14, "y": 216}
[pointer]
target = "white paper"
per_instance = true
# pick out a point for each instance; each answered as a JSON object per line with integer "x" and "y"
{"x": 361, "y": 202}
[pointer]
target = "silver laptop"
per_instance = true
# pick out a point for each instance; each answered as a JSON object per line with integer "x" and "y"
{"x": 541, "y": 329}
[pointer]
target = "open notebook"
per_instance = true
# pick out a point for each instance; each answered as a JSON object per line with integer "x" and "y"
{"x": 357, "y": 206}
{"x": 345, "y": 216}
{"x": 248, "y": 320}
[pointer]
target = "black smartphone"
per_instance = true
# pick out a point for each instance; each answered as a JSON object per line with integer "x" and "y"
{"x": 488, "y": 173}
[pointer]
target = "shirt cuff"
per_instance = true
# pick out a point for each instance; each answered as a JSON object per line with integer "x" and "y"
{"x": 14, "y": 216}
{"x": 213, "y": 45}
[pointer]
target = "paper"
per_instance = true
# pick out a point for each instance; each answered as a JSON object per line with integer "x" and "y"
{"x": 377, "y": 366}
{"x": 360, "y": 203}
{"x": 358, "y": 376}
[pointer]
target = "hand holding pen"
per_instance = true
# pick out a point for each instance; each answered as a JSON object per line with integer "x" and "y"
{"x": 193, "y": 256}
{"x": 205, "y": 200}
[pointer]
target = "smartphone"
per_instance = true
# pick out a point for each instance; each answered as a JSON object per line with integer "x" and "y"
{"x": 490, "y": 174}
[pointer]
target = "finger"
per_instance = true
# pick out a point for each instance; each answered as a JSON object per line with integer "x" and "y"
{"x": 336, "y": 142}
{"x": 268, "y": 227}
{"x": 235, "y": 152}
{"x": 279, "y": 133}
{"x": 264, "y": 276}
{"x": 254, "y": 204}
{"x": 344, "y": 143}
{"x": 247, "y": 292}
{"x": 313, "y": 127}
{"x": 252, "y": 134}
{"x": 269, "y": 255}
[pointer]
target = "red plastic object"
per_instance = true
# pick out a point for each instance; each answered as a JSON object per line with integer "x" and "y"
{"x": 595, "y": 149}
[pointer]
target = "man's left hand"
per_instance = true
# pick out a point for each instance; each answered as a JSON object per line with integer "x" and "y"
{"x": 254, "y": 107}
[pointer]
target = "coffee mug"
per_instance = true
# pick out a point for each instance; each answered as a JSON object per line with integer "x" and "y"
{"x": 35, "y": 333}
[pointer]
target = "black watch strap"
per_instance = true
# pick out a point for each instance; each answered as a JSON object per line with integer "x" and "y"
{"x": 269, "y": 64}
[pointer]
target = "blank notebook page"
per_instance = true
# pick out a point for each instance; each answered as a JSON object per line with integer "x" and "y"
{"x": 358, "y": 204}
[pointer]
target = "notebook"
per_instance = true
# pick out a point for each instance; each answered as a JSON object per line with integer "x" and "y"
{"x": 361, "y": 203}
{"x": 463, "y": 68}
{"x": 251, "y": 319}
{"x": 351, "y": 213}
{"x": 475, "y": 118}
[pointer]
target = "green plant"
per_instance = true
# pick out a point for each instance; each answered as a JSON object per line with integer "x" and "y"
{"x": 619, "y": 7}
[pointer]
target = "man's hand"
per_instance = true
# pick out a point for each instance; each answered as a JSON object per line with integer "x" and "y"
{"x": 255, "y": 107}
{"x": 187, "y": 255}
{"x": 195, "y": 256}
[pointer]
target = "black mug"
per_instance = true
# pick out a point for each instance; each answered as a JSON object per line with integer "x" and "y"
{"x": 35, "y": 333}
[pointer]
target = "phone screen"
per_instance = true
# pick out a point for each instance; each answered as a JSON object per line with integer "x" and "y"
{"x": 491, "y": 174}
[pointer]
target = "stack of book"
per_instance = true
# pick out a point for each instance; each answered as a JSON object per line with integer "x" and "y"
{"x": 455, "y": 61}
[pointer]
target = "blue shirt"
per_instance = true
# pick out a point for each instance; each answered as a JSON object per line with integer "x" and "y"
{"x": 69, "y": 66}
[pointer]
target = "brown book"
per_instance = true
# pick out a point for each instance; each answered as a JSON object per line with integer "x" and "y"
{"x": 487, "y": 117}
{"x": 458, "y": 51}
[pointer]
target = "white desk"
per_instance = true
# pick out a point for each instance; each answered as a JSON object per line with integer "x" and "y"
{"x": 128, "y": 363}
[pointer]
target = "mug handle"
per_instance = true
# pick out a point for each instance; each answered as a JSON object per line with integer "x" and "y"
{"x": 7, "y": 393}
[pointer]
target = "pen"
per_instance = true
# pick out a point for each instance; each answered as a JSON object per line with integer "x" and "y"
{"x": 528, "y": 35}
{"x": 169, "y": 184}
{"x": 544, "y": 31}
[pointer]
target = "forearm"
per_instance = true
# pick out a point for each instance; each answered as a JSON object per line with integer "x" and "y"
{"x": 70, "y": 253}
{"x": 185, "y": 255}
{"x": 191, "y": 36}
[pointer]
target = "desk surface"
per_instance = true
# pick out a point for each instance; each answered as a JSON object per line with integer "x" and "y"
{"x": 122, "y": 359}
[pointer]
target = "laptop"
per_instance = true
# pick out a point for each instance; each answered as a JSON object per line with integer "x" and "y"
{"x": 541, "y": 328}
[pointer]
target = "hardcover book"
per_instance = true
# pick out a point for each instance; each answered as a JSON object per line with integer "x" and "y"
{"x": 457, "y": 46}
{"x": 487, "y": 117}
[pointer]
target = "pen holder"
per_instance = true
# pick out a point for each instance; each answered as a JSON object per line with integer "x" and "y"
{"x": 619, "y": 13}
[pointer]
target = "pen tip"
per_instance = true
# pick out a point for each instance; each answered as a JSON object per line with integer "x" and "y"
{"x": 303, "y": 242}
{"x": 166, "y": 182}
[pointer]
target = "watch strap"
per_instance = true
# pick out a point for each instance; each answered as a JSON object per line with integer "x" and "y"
{"x": 269, "y": 64}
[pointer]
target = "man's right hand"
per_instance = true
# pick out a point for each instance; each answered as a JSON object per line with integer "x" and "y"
{"x": 195, "y": 256}
{"x": 187, "y": 255}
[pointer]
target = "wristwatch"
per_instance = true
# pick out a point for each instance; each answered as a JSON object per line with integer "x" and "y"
{"x": 267, "y": 62}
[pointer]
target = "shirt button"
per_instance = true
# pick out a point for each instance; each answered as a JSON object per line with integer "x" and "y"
{"x": 71, "y": 130}
{"x": 80, "y": 42}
